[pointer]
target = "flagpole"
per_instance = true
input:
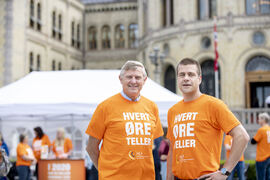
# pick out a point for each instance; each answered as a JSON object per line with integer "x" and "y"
{"x": 216, "y": 59}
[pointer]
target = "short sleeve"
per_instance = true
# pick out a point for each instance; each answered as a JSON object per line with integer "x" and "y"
{"x": 169, "y": 131}
{"x": 21, "y": 151}
{"x": 258, "y": 136}
{"x": 159, "y": 130}
{"x": 47, "y": 141}
{"x": 69, "y": 144}
{"x": 96, "y": 127}
{"x": 223, "y": 118}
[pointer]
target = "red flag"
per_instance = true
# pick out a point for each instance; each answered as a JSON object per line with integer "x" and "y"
{"x": 215, "y": 46}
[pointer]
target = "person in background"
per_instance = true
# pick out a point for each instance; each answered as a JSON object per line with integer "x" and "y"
{"x": 163, "y": 154}
{"x": 41, "y": 146}
{"x": 240, "y": 166}
{"x": 3, "y": 144}
{"x": 3, "y": 147}
{"x": 25, "y": 157}
{"x": 62, "y": 146}
{"x": 262, "y": 139}
{"x": 91, "y": 171}
{"x": 5, "y": 165}
{"x": 156, "y": 144}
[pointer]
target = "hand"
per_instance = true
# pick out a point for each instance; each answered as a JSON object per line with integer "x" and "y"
{"x": 214, "y": 176}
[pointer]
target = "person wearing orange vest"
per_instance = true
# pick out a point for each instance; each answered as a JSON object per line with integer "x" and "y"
{"x": 127, "y": 123}
{"x": 240, "y": 167}
{"x": 262, "y": 139}
{"x": 41, "y": 146}
{"x": 25, "y": 158}
{"x": 62, "y": 146}
{"x": 196, "y": 126}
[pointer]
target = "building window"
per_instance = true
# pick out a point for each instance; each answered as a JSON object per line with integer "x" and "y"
{"x": 258, "y": 38}
{"x": 208, "y": 78}
{"x": 119, "y": 36}
{"x": 39, "y": 17}
{"x": 73, "y": 34}
{"x": 257, "y": 7}
{"x": 78, "y": 36}
{"x": 169, "y": 79}
{"x": 38, "y": 62}
{"x": 168, "y": 14}
{"x": 257, "y": 81}
{"x": 106, "y": 40}
{"x": 31, "y": 62}
{"x": 60, "y": 27}
{"x": 59, "y": 66}
{"x": 32, "y": 14}
{"x": 54, "y": 29}
{"x": 205, "y": 42}
{"x": 133, "y": 35}
{"x": 53, "y": 65}
{"x": 92, "y": 35}
{"x": 207, "y": 9}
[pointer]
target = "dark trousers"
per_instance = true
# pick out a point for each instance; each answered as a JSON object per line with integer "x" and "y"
{"x": 263, "y": 169}
{"x": 240, "y": 169}
{"x": 92, "y": 174}
{"x": 23, "y": 172}
{"x": 36, "y": 171}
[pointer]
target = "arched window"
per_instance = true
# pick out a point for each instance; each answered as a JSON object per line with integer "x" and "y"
{"x": 257, "y": 7}
{"x": 120, "y": 36}
{"x": 38, "y": 62}
{"x": 78, "y": 36}
{"x": 106, "y": 39}
{"x": 258, "y": 63}
{"x": 60, "y": 33}
{"x": 170, "y": 80}
{"x": 53, "y": 65}
{"x": 54, "y": 24}
{"x": 32, "y": 14}
{"x": 31, "y": 62}
{"x": 59, "y": 66}
{"x": 133, "y": 36}
{"x": 92, "y": 37}
{"x": 39, "y": 17}
{"x": 207, "y": 9}
{"x": 73, "y": 34}
{"x": 208, "y": 78}
{"x": 257, "y": 81}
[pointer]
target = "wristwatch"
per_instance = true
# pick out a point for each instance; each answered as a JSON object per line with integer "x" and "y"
{"x": 224, "y": 172}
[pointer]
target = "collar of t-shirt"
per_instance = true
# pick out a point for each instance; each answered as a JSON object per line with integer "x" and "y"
{"x": 128, "y": 98}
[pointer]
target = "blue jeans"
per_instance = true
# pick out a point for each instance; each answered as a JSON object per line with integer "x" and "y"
{"x": 163, "y": 171}
{"x": 240, "y": 169}
{"x": 23, "y": 172}
{"x": 263, "y": 169}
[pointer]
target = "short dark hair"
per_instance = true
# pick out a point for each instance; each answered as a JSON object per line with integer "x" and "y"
{"x": 190, "y": 61}
{"x": 39, "y": 132}
{"x": 22, "y": 137}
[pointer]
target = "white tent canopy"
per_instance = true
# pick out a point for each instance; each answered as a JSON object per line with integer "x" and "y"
{"x": 67, "y": 99}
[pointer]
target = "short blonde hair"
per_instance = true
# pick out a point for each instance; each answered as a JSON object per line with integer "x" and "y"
{"x": 132, "y": 65}
{"x": 265, "y": 116}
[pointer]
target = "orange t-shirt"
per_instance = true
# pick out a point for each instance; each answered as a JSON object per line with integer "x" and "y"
{"x": 38, "y": 143}
{"x": 128, "y": 129}
{"x": 228, "y": 141}
{"x": 195, "y": 130}
{"x": 60, "y": 150}
{"x": 263, "y": 143}
{"x": 23, "y": 149}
